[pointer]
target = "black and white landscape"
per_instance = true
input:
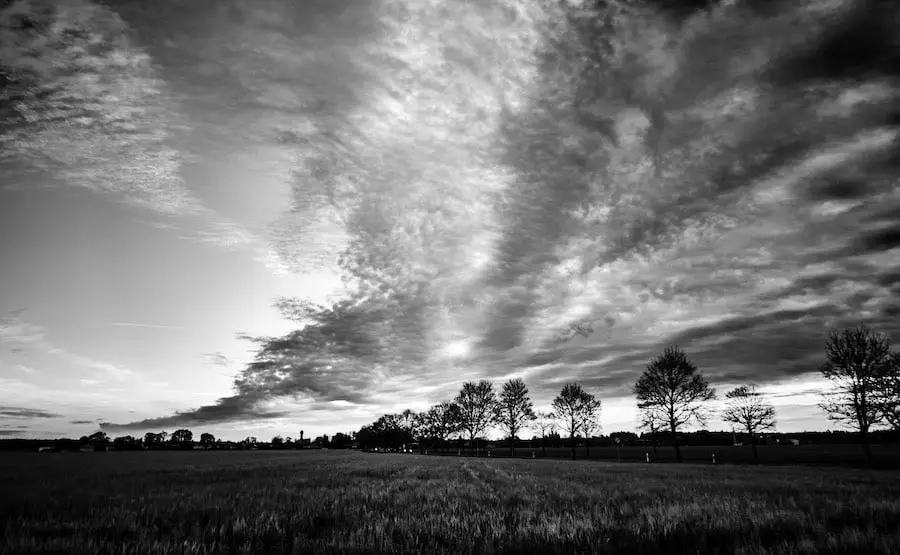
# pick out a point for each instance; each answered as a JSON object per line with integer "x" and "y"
{"x": 384, "y": 267}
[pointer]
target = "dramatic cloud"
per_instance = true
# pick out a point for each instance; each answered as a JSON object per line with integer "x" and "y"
{"x": 228, "y": 408}
{"x": 559, "y": 192}
{"x": 18, "y": 412}
{"x": 81, "y": 422}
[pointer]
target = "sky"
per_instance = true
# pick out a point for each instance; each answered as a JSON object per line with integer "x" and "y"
{"x": 256, "y": 218}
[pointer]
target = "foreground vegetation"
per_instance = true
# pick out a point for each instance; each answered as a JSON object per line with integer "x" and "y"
{"x": 886, "y": 455}
{"x": 353, "y": 502}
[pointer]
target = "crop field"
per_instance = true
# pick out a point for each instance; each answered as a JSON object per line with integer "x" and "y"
{"x": 886, "y": 455}
{"x": 353, "y": 502}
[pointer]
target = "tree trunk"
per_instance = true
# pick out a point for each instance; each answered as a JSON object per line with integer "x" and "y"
{"x": 675, "y": 444}
{"x": 587, "y": 448}
{"x": 867, "y": 447}
{"x": 572, "y": 438}
{"x": 512, "y": 446}
{"x": 755, "y": 450}
{"x": 544, "y": 447}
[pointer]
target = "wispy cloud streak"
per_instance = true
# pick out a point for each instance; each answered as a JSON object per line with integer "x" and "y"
{"x": 142, "y": 325}
{"x": 86, "y": 107}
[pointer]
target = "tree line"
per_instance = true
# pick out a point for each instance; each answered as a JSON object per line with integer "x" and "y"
{"x": 671, "y": 394}
{"x": 184, "y": 439}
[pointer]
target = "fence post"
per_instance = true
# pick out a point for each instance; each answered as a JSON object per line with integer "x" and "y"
{"x": 647, "y": 456}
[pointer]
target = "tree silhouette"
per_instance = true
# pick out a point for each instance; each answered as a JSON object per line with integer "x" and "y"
{"x": 441, "y": 421}
{"x": 888, "y": 393}
{"x": 514, "y": 410}
{"x": 545, "y": 424}
{"x": 409, "y": 421}
{"x": 746, "y": 407}
{"x": 674, "y": 386}
{"x": 652, "y": 420}
{"x": 182, "y": 437}
{"x": 589, "y": 420}
{"x": 340, "y": 440}
{"x": 571, "y": 407}
{"x": 477, "y": 407}
{"x": 858, "y": 360}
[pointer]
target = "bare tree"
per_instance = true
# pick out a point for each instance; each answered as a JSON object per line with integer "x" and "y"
{"x": 672, "y": 385}
{"x": 652, "y": 420}
{"x": 888, "y": 393}
{"x": 589, "y": 419}
{"x": 514, "y": 410}
{"x": 858, "y": 360}
{"x": 569, "y": 408}
{"x": 545, "y": 424}
{"x": 749, "y": 409}
{"x": 477, "y": 404}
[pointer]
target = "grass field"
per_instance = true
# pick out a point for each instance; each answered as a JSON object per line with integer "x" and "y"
{"x": 352, "y": 502}
{"x": 886, "y": 455}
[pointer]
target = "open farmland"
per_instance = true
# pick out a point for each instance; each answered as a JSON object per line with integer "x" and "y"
{"x": 886, "y": 455}
{"x": 352, "y": 502}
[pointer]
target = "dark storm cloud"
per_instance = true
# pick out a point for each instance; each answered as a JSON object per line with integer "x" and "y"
{"x": 81, "y": 422}
{"x": 225, "y": 410}
{"x": 880, "y": 240}
{"x": 8, "y": 433}
{"x": 19, "y": 412}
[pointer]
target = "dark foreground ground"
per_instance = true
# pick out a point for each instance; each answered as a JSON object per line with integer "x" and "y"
{"x": 352, "y": 502}
{"x": 886, "y": 455}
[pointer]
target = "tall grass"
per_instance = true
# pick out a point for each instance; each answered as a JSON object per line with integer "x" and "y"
{"x": 350, "y": 502}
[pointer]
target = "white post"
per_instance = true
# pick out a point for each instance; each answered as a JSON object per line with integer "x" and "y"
{"x": 714, "y": 458}
{"x": 647, "y": 456}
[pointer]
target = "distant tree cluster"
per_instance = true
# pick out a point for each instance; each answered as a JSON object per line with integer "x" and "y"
{"x": 476, "y": 410}
{"x": 183, "y": 439}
